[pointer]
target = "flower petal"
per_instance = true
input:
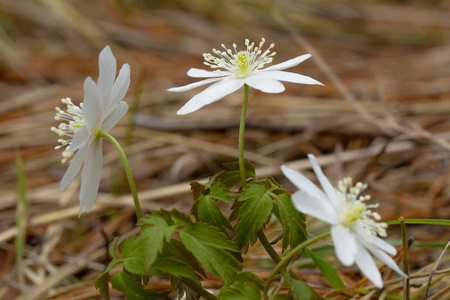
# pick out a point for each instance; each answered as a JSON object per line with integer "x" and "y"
{"x": 80, "y": 137}
{"x": 107, "y": 74}
{"x": 289, "y": 63}
{"x": 290, "y": 77}
{"x": 193, "y": 85}
{"x": 91, "y": 175}
{"x": 385, "y": 246}
{"x": 303, "y": 183}
{"x": 324, "y": 182}
{"x": 366, "y": 264}
{"x": 316, "y": 207}
{"x": 264, "y": 84}
{"x": 91, "y": 104}
{"x": 114, "y": 115}
{"x": 120, "y": 87}
{"x": 211, "y": 94}
{"x": 345, "y": 244}
{"x": 74, "y": 168}
{"x": 385, "y": 258}
{"x": 199, "y": 73}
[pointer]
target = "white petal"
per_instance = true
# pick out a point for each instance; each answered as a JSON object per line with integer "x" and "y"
{"x": 91, "y": 175}
{"x": 385, "y": 258}
{"x": 114, "y": 115}
{"x": 74, "y": 168}
{"x": 385, "y": 246}
{"x": 303, "y": 183}
{"x": 91, "y": 104}
{"x": 80, "y": 137}
{"x": 193, "y": 85}
{"x": 367, "y": 266}
{"x": 264, "y": 84}
{"x": 316, "y": 207}
{"x": 107, "y": 74}
{"x": 324, "y": 182}
{"x": 211, "y": 94}
{"x": 289, "y": 63}
{"x": 120, "y": 87}
{"x": 345, "y": 244}
{"x": 290, "y": 77}
{"x": 199, "y": 73}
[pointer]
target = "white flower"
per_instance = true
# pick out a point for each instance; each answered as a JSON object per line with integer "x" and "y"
{"x": 101, "y": 109}
{"x": 236, "y": 68}
{"x": 353, "y": 231}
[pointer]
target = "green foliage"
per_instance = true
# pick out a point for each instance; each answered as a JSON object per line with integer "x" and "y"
{"x": 102, "y": 285}
{"x": 124, "y": 283}
{"x": 247, "y": 286}
{"x": 208, "y": 244}
{"x": 293, "y": 221}
{"x": 155, "y": 231}
{"x": 254, "y": 212}
{"x": 327, "y": 270}
{"x": 301, "y": 291}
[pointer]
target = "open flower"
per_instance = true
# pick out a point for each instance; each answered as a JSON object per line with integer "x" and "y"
{"x": 354, "y": 228}
{"x": 236, "y": 68}
{"x": 101, "y": 109}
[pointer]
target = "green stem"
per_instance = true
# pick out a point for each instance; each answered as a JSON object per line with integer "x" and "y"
{"x": 241, "y": 137}
{"x": 198, "y": 289}
{"x": 126, "y": 166}
{"x": 285, "y": 260}
{"x": 266, "y": 244}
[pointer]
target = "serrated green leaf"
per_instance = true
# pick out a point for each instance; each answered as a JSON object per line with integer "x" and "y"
{"x": 291, "y": 219}
{"x": 232, "y": 177}
{"x": 208, "y": 244}
{"x": 301, "y": 291}
{"x": 207, "y": 211}
{"x": 327, "y": 270}
{"x": 155, "y": 232}
{"x": 133, "y": 255}
{"x": 176, "y": 248}
{"x": 175, "y": 267}
{"x": 124, "y": 283}
{"x": 197, "y": 189}
{"x": 102, "y": 285}
{"x": 219, "y": 191}
{"x": 246, "y": 286}
{"x": 253, "y": 214}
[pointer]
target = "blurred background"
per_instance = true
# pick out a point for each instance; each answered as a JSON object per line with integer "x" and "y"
{"x": 382, "y": 117}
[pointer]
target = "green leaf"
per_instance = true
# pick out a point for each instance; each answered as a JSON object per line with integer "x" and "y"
{"x": 174, "y": 267}
{"x": 253, "y": 214}
{"x": 301, "y": 291}
{"x": 208, "y": 244}
{"x": 124, "y": 283}
{"x": 291, "y": 219}
{"x": 219, "y": 191}
{"x": 102, "y": 285}
{"x": 176, "y": 249}
{"x": 232, "y": 176}
{"x": 207, "y": 211}
{"x": 155, "y": 232}
{"x": 247, "y": 286}
{"x": 327, "y": 270}
{"x": 133, "y": 255}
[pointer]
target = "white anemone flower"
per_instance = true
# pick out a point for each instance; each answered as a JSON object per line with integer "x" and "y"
{"x": 236, "y": 68}
{"x": 354, "y": 228}
{"x": 101, "y": 109}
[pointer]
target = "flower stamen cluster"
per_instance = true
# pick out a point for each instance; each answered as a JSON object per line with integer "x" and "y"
{"x": 74, "y": 120}
{"x": 353, "y": 209}
{"x": 241, "y": 64}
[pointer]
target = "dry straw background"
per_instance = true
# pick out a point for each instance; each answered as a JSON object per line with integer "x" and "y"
{"x": 383, "y": 117}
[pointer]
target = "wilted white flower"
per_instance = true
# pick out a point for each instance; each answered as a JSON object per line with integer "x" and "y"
{"x": 354, "y": 228}
{"x": 101, "y": 109}
{"x": 236, "y": 68}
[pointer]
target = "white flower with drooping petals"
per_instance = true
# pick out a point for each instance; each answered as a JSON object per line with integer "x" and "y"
{"x": 354, "y": 228}
{"x": 101, "y": 109}
{"x": 236, "y": 68}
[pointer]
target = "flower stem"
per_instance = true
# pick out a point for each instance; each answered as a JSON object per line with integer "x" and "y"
{"x": 285, "y": 260}
{"x": 241, "y": 137}
{"x": 127, "y": 170}
{"x": 198, "y": 289}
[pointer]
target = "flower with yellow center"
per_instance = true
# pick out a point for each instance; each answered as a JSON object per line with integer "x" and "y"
{"x": 354, "y": 228}
{"x": 233, "y": 69}
{"x": 100, "y": 111}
